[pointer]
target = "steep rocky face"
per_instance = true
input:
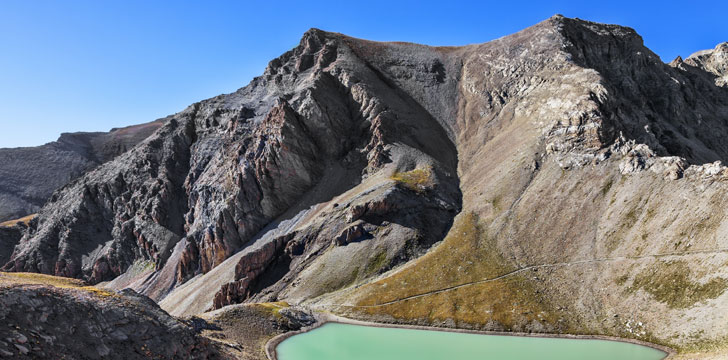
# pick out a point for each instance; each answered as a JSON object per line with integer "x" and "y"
{"x": 645, "y": 101}
{"x": 320, "y": 123}
{"x": 29, "y": 175}
{"x": 65, "y": 238}
{"x": 585, "y": 175}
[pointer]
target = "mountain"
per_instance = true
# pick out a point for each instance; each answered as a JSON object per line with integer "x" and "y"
{"x": 29, "y": 175}
{"x": 562, "y": 179}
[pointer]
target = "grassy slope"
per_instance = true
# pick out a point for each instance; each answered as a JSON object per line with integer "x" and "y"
{"x": 625, "y": 262}
{"x": 12, "y": 279}
{"x": 467, "y": 255}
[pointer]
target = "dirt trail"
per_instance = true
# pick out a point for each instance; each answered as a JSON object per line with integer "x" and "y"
{"x": 531, "y": 267}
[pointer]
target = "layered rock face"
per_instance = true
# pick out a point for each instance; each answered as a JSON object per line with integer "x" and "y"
{"x": 28, "y": 176}
{"x": 583, "y": 176}
{"x": 321, "y": 132}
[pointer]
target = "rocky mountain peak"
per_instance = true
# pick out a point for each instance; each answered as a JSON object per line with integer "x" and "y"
{"x": 348, "y": 158}
{"x": 610, "y": 50}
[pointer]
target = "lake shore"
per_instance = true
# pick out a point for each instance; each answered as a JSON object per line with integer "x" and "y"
{"x": 324, "y": 318}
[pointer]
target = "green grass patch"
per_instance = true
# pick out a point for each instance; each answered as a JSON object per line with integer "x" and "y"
{"x": 376, "y": 263}
{"x": 21, "y": 278}
{"x": 272, "y": 308}
{"x": 621, "y": 280}
{"x": 607, "y": 186}
{"x": 670, "y": 283}
{"x": 631, "y": 218}
{"x": 495, "y": 202}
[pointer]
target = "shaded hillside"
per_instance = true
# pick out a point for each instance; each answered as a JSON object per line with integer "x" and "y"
{"x": 9, "y": 237}
{"x": 561, "y": 179}
{"x": 29, "y": 175}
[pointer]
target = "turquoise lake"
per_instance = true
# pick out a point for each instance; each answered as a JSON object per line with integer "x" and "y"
{"x": 334, "y": 341}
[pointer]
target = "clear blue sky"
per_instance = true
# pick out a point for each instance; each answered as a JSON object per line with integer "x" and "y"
{"x": 93, "y": 65}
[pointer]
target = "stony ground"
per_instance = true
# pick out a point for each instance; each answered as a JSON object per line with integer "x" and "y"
{"x": 248, "y": 327}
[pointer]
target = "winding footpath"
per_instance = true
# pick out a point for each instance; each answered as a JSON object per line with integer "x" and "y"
{"x": 531, "y": 267}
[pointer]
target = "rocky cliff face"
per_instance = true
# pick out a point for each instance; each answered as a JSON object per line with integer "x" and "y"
{"x": 583, "y": 176}
{"x": 320, "y": 124}
{"x": 28, "y": 176}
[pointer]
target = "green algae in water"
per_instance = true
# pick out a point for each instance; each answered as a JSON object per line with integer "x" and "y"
{"x": 334, "y": 341}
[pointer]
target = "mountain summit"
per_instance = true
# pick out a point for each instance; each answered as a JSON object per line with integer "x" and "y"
{"x": 561, "y": 179}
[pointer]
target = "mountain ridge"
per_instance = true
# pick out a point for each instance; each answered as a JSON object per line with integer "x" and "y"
{"x": 31, "y": 174}
{"x": 351, "y": 167}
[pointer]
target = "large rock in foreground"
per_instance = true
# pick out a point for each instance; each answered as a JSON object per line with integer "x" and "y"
{"x": 47, "y": 317}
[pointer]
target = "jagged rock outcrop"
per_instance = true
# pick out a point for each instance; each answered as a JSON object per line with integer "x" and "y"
{"x": 569, "y": 150}
{"x": 29, "y": 175}
{"x": 248, "y": 268}
{"x": 714, "y": 61}
{"x": 131, "y": 199}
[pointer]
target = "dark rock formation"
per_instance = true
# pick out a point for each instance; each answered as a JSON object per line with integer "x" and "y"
{"x": 29, "y": 175}
{"x": 9, "y": 237}
{"x": 249, "y": 267}
{"x": 103, "y": 204}
{"x": 351, "y": 233}
{"x": 295, "y": 319}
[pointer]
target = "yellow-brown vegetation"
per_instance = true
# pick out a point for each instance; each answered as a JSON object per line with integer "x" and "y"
{"x": 19, "y": 278}
{"x": 670, "y": 283}
{"x": 272, "y": 307}
{"x": 466, "y": 255}
{"x": 23, "y": 220}
{"x": 418, "y": 180}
